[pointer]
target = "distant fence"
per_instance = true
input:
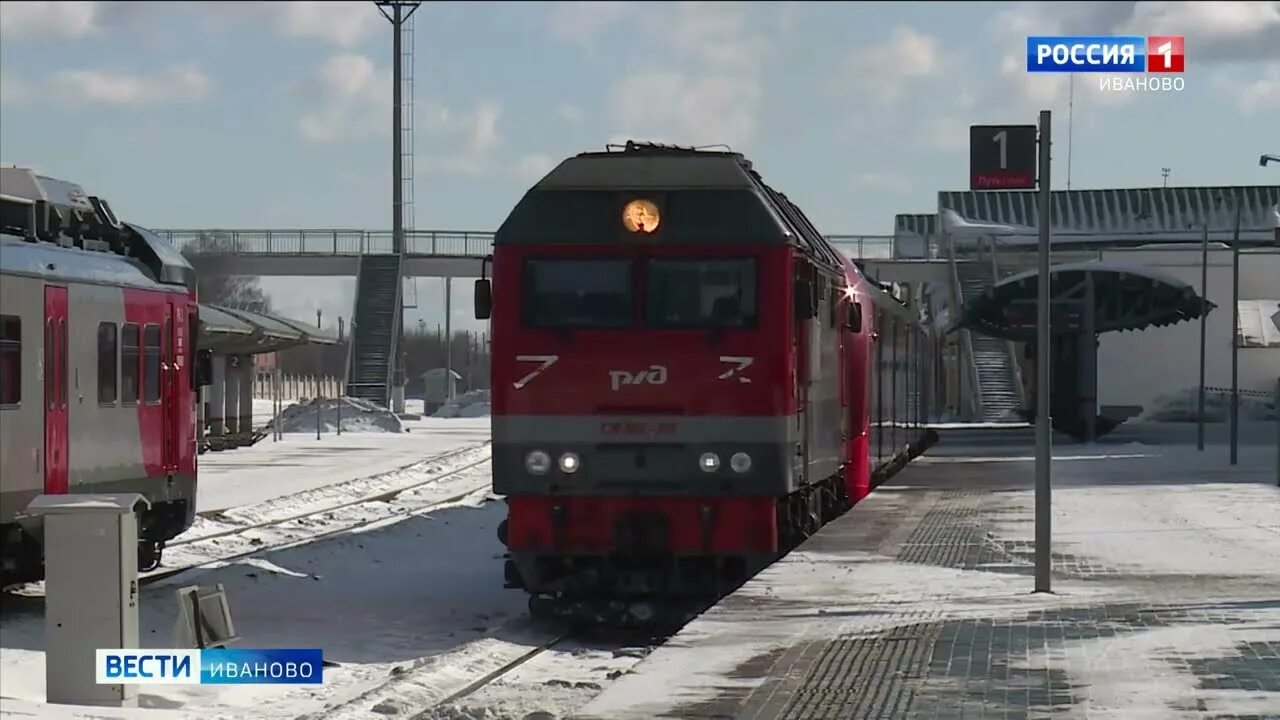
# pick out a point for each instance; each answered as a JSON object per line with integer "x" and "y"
{"x": 297, "y": 387}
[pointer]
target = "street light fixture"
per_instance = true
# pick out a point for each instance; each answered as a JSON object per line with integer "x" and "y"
{"x": 1268, "y": 158}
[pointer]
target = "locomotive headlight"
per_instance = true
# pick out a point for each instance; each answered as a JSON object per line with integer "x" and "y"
{"x": 709, "y": 462}
{"x": 569, "y": 463}
{"x": 537, "y": 462}
{"x": 740, "y": 462}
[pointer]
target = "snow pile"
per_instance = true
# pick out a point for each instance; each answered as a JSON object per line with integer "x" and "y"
{"x": 1182, "y": 406}
{"x": 472, "y": 404}
{"x": 357, "y": 416}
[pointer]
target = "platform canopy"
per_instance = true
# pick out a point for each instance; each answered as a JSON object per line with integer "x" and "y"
{"x": 227, "y": 331}
{"x": 1126, "y": 297}
{"x": 1259, "y": 325}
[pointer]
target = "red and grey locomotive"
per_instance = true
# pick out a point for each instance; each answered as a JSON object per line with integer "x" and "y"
{"x": 98, "y": 371}
{"x": 683, "y": 374}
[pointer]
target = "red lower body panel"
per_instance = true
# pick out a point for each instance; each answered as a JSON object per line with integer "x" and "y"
{"x": 858, "y": 471}
{"x": 587, "y": 524}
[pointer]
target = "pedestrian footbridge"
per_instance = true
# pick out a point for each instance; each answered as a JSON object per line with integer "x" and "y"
{"x": 428, "y": 253}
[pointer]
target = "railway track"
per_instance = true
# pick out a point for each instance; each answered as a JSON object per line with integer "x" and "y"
{"x": 399, "y": 691}
{"x": 304, "y": 537}
{"x": 383, "y": 495}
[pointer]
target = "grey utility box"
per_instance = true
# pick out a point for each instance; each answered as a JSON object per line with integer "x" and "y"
{"x": 91, "y": 592}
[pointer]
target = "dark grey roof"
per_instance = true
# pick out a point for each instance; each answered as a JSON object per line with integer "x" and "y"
{"x": 703, "y": 171}
{"x": 232, "y": 330}
{"x": 1126, "y": 297}
{"x": 1126, "y": 215}
{"x": 43, "y": 259}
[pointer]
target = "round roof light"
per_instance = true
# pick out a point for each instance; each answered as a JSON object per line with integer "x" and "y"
{"x": 640, "y": 216}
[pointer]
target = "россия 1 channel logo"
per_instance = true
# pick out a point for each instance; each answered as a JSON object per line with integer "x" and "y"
{"x": 1161, "y": 56}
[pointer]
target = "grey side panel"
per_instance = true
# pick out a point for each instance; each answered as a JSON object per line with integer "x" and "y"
{"x": 636, "y": 469}
{"x": 624, "y": 455}
{"x": 22, "y": 426}
{"x": 158, "y": 490}
{"x": 106, "y": 443}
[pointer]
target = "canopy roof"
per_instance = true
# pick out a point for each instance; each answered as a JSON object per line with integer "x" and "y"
{"x": 227, "y": 330}
{"x": 1126, "y": 297}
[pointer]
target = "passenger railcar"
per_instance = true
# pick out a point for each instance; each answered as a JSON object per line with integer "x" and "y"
{"x": 685, "y": 378}
{"x": 98, "y": 366}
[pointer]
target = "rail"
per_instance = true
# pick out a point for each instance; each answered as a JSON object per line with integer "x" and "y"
{"x": 422, "y": 243}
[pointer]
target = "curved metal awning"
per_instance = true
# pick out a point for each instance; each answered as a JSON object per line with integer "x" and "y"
{"x": 227, "y": 330}
{"x": 1126, "y": 297}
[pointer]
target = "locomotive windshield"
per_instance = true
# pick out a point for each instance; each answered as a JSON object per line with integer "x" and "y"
{"x": 700, "y": 293}
{"x": 577, "y": 294}
{"x": 677, "y": 293}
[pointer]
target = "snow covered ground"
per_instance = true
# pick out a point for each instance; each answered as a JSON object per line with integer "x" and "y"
{"x": 1166, "y": 523}
{"x": 272, "y": 469}
{"x": 413, "y": 608}
{"x": 471, "y": 404}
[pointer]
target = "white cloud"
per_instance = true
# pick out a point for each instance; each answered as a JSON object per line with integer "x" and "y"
{"x": 571, "y": 113}
{"x": 885, "y": 69}
{"x": 534, "y": 167}
{"x": 1262, "y": 94}
{"x": 471, "y": 136}
{"x": 1215, "y": 31}
{"x": 1228, "y": 31}
{"x": 344, "y": 24}
{"x": 49, "y": 20}
{"x": 882, "y": 181}
{"x": 13, "y": 92}
{"x": 581, "y": 23}
{"x": 354, "y": 98}
{"x": 687, "y": 109}
{"x": 698, "y": 80}
{"x": 178, "y": 83}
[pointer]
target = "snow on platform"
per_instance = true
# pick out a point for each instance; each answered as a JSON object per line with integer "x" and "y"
{"x": 299, "y": 462}
{"x": 919, "y": 603}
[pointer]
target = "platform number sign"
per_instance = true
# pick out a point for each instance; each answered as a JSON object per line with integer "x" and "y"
{"x": 1002, "y": 157}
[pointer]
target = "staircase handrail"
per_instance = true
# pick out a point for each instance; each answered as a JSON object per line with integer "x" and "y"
{"x": 396, "y": 322}
{"x": 1009, "y": 348}
{"x": 966, "y": 341}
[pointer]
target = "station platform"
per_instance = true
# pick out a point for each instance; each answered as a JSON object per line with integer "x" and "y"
{"x": 919, "y": 602}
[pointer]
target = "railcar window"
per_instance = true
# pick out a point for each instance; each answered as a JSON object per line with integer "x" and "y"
{"x": 10, "y": 359}
{"x": 701, "y": 293}
{"x": 62, "y": 363}
{"x": 151, "y": 363}
{"x": 130, "y": 355}
{"x": 577, "y": 294}
{"x": 108, "y": 362}
{"x": 50, "y": 365}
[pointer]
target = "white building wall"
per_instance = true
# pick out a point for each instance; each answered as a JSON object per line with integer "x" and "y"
{"x": 1134, "y": 368}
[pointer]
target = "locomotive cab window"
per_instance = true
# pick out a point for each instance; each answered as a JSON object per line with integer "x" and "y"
{"x": 151, "y": 363}
{"x": 10, "y": 360}
{"x": 130, "y": 357}
{"x": 701, "y": 293}
{"x": 577, "y": 294}
{"x": 107, "y": 363}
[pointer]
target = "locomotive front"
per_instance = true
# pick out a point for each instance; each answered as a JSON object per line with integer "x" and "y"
{"x": 642, "y": 426}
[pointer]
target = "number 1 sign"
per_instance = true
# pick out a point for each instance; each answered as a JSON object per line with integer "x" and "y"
{"x": 1002, "y": 157}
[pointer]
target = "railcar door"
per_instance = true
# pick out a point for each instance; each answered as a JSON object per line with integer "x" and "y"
{"x": 57, "y": 445}
{"x": 169, "y": 389}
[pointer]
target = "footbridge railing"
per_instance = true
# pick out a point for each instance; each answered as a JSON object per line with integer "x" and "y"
{"x": 420, "y": 243}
